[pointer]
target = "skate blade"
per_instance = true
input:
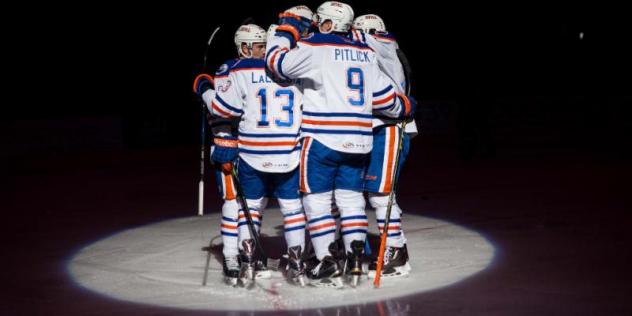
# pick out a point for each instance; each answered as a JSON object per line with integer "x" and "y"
{"x": 247, "y": 283}
{"x": 365, "y": 267}
{"x": 299, "y": 280}
{"x": 399, "y": 272}
{"x": 354, "y": 280}
{"x": 334, "y": 283}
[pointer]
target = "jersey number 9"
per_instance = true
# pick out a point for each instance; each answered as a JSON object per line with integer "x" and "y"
{"x": 355, "y": 82}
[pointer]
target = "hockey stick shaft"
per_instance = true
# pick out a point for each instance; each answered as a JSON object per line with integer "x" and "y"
{"x": 391, "y": 199}
{"x": 202, "y": 161}
{"x": 241, "y": 199}
{"x": 203, "y": 133}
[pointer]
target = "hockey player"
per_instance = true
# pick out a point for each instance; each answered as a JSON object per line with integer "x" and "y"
{"x": 269, "y": 116}
{"x": 203, "y": 86}
{"x": 342, "y": 87}
{"x": 370, "y": 29}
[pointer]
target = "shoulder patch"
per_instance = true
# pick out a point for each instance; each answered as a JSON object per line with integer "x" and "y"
{"x": 222, "y": 68}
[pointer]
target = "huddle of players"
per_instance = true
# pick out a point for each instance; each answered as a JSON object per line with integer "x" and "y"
{"x": 313, "y": 105}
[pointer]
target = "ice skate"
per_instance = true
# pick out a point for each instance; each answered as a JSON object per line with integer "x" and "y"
{"x": 395, "y": 263}
{"x": 296, "y": 266}
{"x": 231, "y": 270}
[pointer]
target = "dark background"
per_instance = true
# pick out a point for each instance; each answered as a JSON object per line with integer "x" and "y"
{"x": 524, "y": 138}
{"x": 130, "y": 68}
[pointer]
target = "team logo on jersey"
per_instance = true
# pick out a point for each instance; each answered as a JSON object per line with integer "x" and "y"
{"x": 224, "y": 87}
{"x": 269, "y": 164}
{"x": 222, "y": 69}
{"x": 350, "y": 145}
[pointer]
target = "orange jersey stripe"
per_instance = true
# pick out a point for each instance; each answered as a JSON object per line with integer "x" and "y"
{"x": 228, "y": 180}
{"x": 273, "y": 58}
{"x": 229, "y": 226}
{"x": 222, "y": 112}
{"x": 253, "y": 143}
{"x": 355, "y": 225}
{"x": 385, "y": 100}
{"x": 322, "y": 226}
{"x": 389, "y": 169}
{"x": 296, "y": 220}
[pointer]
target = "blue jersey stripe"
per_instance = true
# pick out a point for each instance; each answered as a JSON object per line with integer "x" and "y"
{"x": 226, "y": 105}
{"x": 323, "y": 233}
{"x": 329, "y": 131}
{"x": 317, "y": 219}
{"x": 268, "y": 152}
{"x": 353, "y": 231}
{"x": 279, "y": 65}
{"x": 379, "y": 93}
{"x": 391, "y": 221}
{"x": 367, "y": 116}
{"x": 268, "y": 135}
{"x": 224, "y": 218}
{"x": 295, "y": 228}
{"x": 354, "y": 217}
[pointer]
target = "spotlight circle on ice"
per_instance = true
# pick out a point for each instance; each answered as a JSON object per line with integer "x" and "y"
{"x": 163, "y": 264}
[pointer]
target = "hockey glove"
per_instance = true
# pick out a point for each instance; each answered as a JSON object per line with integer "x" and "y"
{"x": 202, "y": 83}
{"x": 409, "y": 106}
{"x": 300, "y": 23}
{"x": 226, "y": 150}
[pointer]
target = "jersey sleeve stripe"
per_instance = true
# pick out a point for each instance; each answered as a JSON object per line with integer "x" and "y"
{"x": 382, "y": 92}
{"x": 384, "y": 100}
{"x": 338, "y": 123}
{"x": 268, "y": 152}
{"x": 267, "y": 135}
{"x": 285, "y": 50}
{"x": 254, "y": 143}
{"x": 228, "y": 106}
{"x": 331, "y": 114}
{"x": 217, "y": 111}
{"x": 331, "y": 131}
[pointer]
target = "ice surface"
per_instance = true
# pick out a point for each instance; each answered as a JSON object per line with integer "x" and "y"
{"x": 163, "y": 264}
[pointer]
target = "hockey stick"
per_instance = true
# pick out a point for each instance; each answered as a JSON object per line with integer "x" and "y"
{"x": 203, "y": 135}
{"x": 407, "y": 69}
{"x": 391, "y": 198}
{"x": 241, "y": 199}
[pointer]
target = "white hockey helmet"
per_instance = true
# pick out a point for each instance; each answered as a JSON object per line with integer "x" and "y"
{"x": 302, "y": 11}
{"x": 340, "y": 14}
{"x": 249, "y": 34}
{"x": 369, "y": 23}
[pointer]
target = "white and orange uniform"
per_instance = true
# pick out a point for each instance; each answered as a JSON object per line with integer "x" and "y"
{"x": 379, "y": 175}
{"x": 342, "y": 87}
{"x": 224, "y": 181}
{"x": 269, "y": 113}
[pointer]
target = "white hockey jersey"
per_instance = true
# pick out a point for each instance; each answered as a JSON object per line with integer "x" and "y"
{"x": 219, "y": 125}
{"x": 385, "y": 46}
{"x": 270, "y": 115}
{"x": 342, "y": 87}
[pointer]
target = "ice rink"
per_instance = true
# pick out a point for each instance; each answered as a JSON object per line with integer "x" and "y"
{"x": 163, "y": 264}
